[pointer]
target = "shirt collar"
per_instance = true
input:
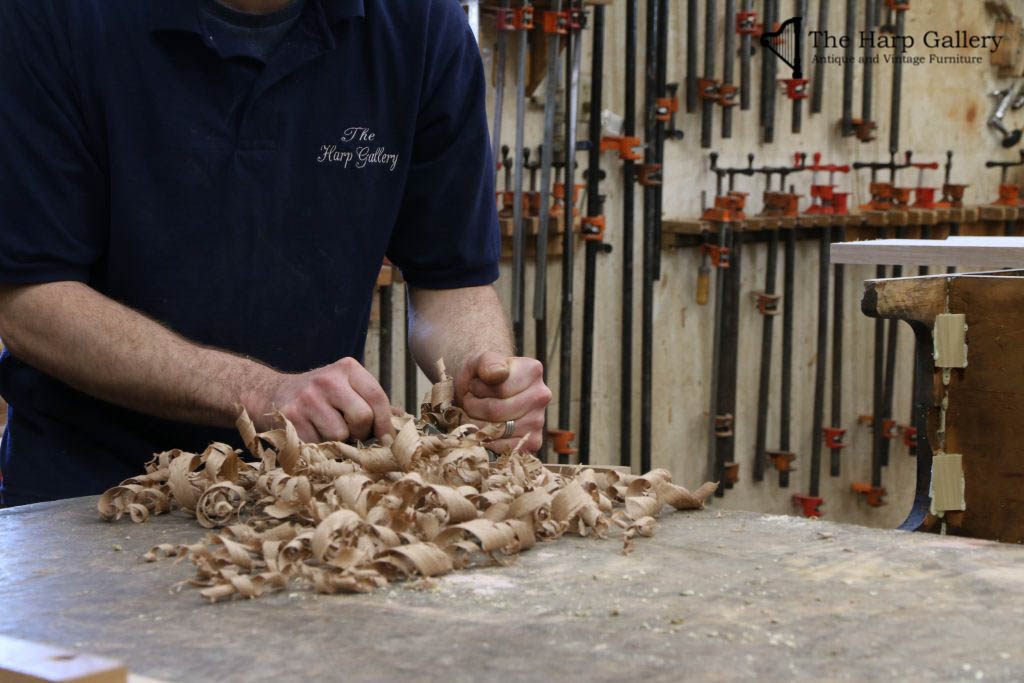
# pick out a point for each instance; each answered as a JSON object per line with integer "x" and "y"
{"x": 183, "y": 15}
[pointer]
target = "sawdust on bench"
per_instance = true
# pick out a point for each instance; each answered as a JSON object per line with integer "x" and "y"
{"x": 351, "y": 518}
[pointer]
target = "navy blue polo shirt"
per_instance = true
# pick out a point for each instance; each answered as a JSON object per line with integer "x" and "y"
{"x": 249, "y": 213}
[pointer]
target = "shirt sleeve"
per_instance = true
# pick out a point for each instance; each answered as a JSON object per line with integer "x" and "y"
{"x": 52, "y": 190}
{"x": 447, "y": 231}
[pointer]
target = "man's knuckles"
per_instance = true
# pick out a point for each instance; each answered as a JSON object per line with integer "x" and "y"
{"x": 327, "y": 382}
{"x": 359, "y": 419}
{"x": 532, "y": 442}
{"x": 347, "y": 364}
{"x": 481, "y": 390}
{"x": 531, "y": 367}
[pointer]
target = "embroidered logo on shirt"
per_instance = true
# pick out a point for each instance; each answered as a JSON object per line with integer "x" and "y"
{"x": 358, "y": 149}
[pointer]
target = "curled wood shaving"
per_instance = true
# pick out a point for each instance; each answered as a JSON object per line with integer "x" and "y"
{"x": 338, "y": 517}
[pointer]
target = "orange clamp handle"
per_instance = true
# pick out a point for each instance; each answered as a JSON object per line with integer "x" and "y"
{"x": 872, "y": 495}
{"x": 665, "y": 107}
{"x": 834, "y": 437}
{"x": 629, "y": 148}
{"x": 782, "y": 461}
{"x": 556, "y": 22}
{"x": 746, "y": 24}
{"x": 809, "y": 505}
{"x": 560, "y": 440}
{"x": 727, "y": 95}
{"x": 707, "y": 88}
{"x": 719, "y": 255}
{"x": 796, "y": 88}
{"x": 592, "y": 228}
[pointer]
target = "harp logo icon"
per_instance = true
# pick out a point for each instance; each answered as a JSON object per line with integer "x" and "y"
{"x": 787, "y": 44}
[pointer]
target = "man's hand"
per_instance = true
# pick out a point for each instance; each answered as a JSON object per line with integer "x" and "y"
{"x": 493, "y": 388}
{"x": 332, "y": 403}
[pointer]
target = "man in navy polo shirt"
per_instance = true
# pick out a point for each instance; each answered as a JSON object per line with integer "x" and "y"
{"x": 195, "y": 199}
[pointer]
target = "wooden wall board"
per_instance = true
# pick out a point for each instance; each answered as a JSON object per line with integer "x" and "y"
{"x": 685, "y": 227}
{"x": 530, "y": 223}
{"x": 898, "y": 217}
{"x": 998, "y": 213}
{"x": 922, "y": 217}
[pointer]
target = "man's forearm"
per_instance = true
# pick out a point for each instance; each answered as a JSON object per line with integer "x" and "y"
{"x": 456, "y": 324}
{"x": 107, "y": 350}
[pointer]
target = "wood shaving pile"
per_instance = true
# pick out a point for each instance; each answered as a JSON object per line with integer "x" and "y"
{"x": 343, "y": 518}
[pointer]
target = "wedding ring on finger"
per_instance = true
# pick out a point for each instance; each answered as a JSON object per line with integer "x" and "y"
{"x": 510, "y": 429}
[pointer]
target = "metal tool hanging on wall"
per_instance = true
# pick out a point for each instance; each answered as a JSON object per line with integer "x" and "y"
{"x": 846, "y": 124}
{"x": 563, "y": 435}
{"x": 650, "y": 178}
{"x": 665, "y": 108}
{"x": 830, "y": 204}
{"x": 521, "y": 21}
{"x": 896, "y": 101}
{"x": 835, "y": 434}
{"x": 1005, "y": 97}
{"x": 783, "y": 457}
{"x": 692, "y": 96}
{"x": 1009, "y": 193}
{"x": 592, "y": 230}
{"x": 786, "y": 43}
{"x": 767, "y": 65}
{"x": 818, "y": 80}
{"x": 707, "y": 87}
{"x": 796, "y": 86}
{"x": 629, "y": 151}
{"x": 728, "y": 214}
{"x": 727, "y": 91}
{"x": 555, "y": 24}
{"x": 501, "y": 49}
{"x": 864, "y": 127}
{"x": 811, "y": 503}
{"x": 747, "y": 28}
{"x": 785, "y": 206}
{"x": 723, "y": 215}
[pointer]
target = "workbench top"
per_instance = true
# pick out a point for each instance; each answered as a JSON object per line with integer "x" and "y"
{"x": 713, "y": 595}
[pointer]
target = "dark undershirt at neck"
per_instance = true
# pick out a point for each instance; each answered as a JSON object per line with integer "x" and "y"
{"x": 241, "y": 34}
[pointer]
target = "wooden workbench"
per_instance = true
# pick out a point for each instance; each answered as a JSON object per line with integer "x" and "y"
{"x": 712, "y": 596}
